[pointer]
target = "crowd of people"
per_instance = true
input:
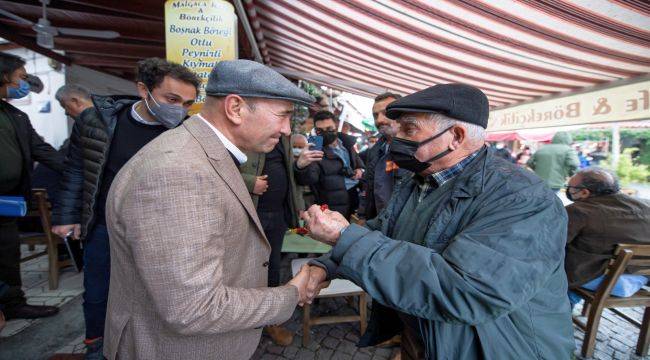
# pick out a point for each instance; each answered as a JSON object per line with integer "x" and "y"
{"x": 465, "y": 251}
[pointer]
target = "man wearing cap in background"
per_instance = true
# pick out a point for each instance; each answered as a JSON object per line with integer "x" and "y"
{"x": 189, "y": 256}
{"x": 469, "y": 251}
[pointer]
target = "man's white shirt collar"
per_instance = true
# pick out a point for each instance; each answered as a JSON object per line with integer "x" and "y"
{"x": 238, "y": 154}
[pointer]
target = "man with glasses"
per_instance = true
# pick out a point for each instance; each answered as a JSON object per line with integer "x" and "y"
{"x": 600, "y": 218}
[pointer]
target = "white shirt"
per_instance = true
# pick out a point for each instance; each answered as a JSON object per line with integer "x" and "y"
{"x": 238, "y": 154}
{"x": 139, "y": 118}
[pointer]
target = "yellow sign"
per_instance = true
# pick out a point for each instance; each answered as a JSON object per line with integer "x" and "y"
{"x": 620, "y": 103}
{"x": 199, "y": 34}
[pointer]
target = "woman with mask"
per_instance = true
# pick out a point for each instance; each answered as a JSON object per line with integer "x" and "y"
{"x": 20, "y": 146}
{"x": 103, "y": 139}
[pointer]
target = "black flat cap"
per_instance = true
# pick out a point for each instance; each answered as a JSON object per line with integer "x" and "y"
{"x": 252, "y": 79}
{"x": 35, "y": 83}
{"x": 459, "y": 101}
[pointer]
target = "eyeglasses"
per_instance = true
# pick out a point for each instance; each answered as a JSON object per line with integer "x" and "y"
{"x": 320, "y": 131}
{"x": 575, "y": 187}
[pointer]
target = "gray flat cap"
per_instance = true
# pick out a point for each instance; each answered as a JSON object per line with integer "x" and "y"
{"x": 250, "y": 78}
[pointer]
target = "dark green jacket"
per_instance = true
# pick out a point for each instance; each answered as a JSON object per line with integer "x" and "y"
{"x": 32, "y": 147}
{"x": 254, "y": 167}
{"x": 90, "y": 143}
{"x": 555, "y": 162}
{"x": 489, "y": 282}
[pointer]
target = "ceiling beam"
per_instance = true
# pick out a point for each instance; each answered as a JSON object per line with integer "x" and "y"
{"x": 152, "y": 11}
{"x": 9, "y": 46}
{"x": 129, "y": 28}
{"x": 30, "y": 44}
{"x": 103, "y": 63}
{"x": 100, "y": 47}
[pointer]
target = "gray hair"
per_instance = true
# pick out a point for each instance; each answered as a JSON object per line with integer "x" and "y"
{"x": 66, "y": 92}
{"x": 475, "y": 133}
{"x": 297, "y": 136}
{"x": 599, "y": 181}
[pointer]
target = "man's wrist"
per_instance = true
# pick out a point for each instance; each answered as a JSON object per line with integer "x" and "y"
{"x": 342, "y": 231}
{"x": 348, "y": 237}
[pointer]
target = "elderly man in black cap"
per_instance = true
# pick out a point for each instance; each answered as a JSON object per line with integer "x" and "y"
{"x": 469, "y": 251}
{"x": 189, "y": 255}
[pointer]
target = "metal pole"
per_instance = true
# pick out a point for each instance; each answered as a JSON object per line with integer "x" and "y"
{"x": 241, "y": 13}
{"x": 616, "y": 145}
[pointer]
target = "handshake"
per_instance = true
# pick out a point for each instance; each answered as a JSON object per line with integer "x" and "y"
{"x": 309, "y": 282}
{"x": 325, "y": 226}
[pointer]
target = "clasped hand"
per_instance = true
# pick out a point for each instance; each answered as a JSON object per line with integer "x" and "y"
{"x": 324, "y": 225}
{"x": 309, "y": 281}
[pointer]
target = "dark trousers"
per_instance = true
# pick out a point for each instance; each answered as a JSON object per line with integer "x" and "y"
{"x": 275, "y": 226}
{"x": 97, "y": 274}
{"x": 10, "y": 263}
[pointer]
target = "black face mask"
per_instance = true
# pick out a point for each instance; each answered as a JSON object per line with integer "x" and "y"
{"x": 403, "y": 151}
{"x": 328, "y": 136}
{"x": 568, "y": 193}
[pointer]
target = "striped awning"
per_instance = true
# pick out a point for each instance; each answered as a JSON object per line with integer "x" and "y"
{"x": 513, "y": 50}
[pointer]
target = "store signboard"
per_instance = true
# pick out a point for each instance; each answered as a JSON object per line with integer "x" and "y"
{"x": 620, "y": 103}
{"x": 199, "y": 34}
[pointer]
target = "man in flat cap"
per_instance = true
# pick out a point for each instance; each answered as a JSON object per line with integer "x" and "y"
{"x": 469, "y": 251}
{"x": 189, "y": 256}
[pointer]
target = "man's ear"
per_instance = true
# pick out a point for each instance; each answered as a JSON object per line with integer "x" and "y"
{"x": 460, "y": 134}
{"x": 142, "y": 89}
{"x": 233, "y": 107}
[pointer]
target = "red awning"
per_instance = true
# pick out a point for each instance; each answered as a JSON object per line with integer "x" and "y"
{"x": 512, "y": 50}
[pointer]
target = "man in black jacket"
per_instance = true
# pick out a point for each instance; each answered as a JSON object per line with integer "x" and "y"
{"x": 103, "y": 139}
{"x": 381, "y": 172}
{"x": 74, "y": 99}
{"x": 333, "y": 174}
{"x": 20, "y": 145}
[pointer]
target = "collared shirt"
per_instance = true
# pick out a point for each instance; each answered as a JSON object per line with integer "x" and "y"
{"x": 234, "y": 150}
{"x": 436, "y": 180}
{"x": 139, "y": 118}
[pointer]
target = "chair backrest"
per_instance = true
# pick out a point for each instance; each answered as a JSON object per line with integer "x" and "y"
{"x": 614, "y": 270}
{"x": 44, "y": 208}
{"x": 640, "y": 261}
{"x": 631, "y": 257}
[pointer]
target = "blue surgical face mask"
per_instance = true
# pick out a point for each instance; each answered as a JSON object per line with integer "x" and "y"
{"x": 20, "y": 92}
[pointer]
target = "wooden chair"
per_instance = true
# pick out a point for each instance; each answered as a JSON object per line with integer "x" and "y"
{"x": 337, "y": 288}
{"x": 42, "y": 209}
{"x": 636, "y": 259}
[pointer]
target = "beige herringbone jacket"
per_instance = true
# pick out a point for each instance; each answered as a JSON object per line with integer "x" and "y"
{"x": 188, "y": 255}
